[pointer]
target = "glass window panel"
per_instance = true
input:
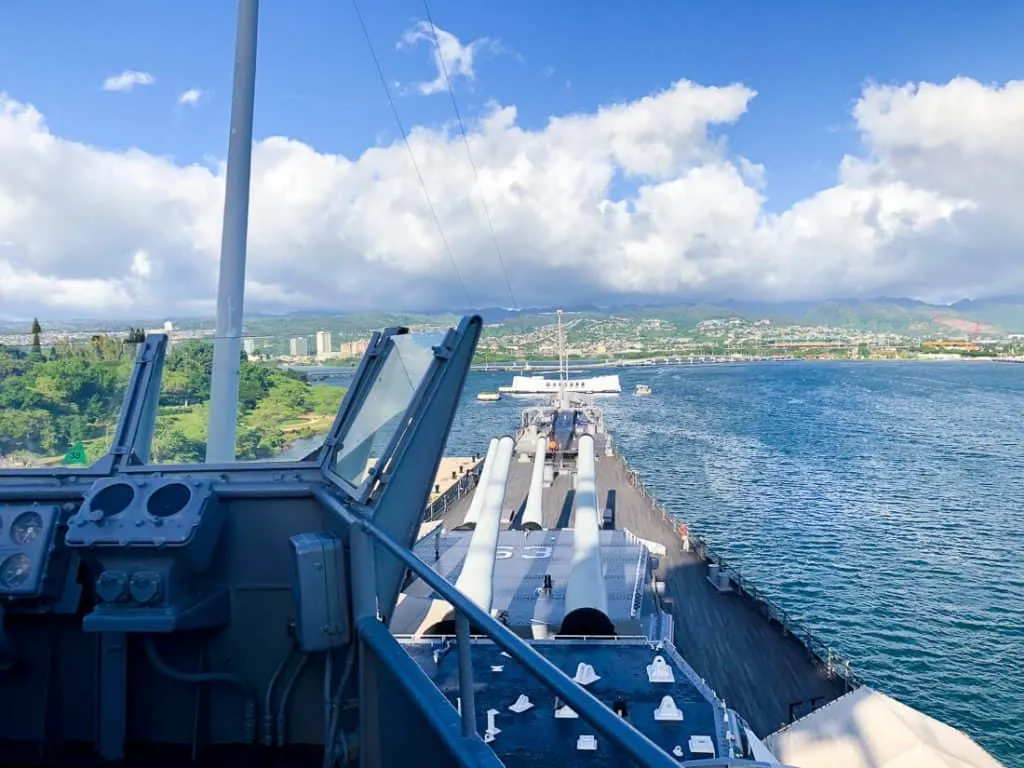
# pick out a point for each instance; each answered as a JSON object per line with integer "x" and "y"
{"x": 60, "y": 395}
{"x": 381, "y": 413}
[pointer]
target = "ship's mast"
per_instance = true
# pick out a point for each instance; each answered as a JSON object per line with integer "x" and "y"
{"x": 227, "y": 349}
{"x": 563, "y": 365}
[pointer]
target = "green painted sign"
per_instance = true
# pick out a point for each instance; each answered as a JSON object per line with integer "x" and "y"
{"x": 76, "y": 455}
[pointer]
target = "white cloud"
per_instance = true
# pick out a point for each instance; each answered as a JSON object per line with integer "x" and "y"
{"x": 191, "y": 96}
{"x": 127, "y": 80}
{"x": 930, "y": 208}
{"x": 457, "y": 58}
{"x": 141, "y": 266}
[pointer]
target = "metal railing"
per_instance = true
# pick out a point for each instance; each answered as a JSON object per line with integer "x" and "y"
{"x": 833, "y": 664}
{"x": 454, "y": 494}
{"x": 652, "y": 546}
{"x": 638, "y": 583}
{"x": 576, "y": 638}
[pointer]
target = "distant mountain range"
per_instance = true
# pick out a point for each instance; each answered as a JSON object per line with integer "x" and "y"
{"x": 882, "y": 315}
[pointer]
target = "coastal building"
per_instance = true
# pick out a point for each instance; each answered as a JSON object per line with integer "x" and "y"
{"x": 323, "y": 343}
{"x": 249, "y": 345}
{"x": 352, "y": 348}
{"x": 299, "y": 346}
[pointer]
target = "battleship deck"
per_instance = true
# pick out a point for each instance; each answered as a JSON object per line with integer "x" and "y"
{"x": 762, "y": 673}
{"x": 538, "y": 737}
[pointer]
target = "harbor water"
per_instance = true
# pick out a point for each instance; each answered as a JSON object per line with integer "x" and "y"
{"x": 878, "y": 503}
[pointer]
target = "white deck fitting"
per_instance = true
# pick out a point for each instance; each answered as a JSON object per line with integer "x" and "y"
{"x": 703, "y": 745}
{"x": 521, "y": 704}
{"x": 667, "y": 711}
{"x": 585, "y": 674}
{"x": 565, "y": 712}
{"x": 492, "y": 729}
{"x": 660, "y": 672}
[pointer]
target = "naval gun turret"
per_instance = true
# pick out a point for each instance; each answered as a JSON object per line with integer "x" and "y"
{"x": 473, "y": 513}
{"x": 476, "y": 580}
{"x": 477, "y": 577}
{"x": 533, "y": 514}
{"x": 586, "y": 597}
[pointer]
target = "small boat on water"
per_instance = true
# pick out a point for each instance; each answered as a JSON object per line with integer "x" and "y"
{"x": 488, "y": 397}
{"x": 643, "y": 389}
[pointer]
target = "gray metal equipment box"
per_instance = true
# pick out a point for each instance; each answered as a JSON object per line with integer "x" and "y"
{"x": 320, "y": 592}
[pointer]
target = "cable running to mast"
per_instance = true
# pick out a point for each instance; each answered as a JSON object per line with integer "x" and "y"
{"x": 412, "y": 156}
{"x": 472, "y": 163}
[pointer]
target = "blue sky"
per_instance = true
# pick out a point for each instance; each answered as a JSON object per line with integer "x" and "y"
{"x": 918, "y": 195}
{"x": 808, "y": 60}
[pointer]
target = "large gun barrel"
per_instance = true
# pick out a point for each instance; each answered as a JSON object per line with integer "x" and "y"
{"x": 586, "y": 597}
{"x": 533, "y": 515}
{"x": 477, "y": 578}
{"x": 473, "y": 513}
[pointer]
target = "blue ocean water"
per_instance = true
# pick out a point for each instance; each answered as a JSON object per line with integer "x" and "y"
{"x": 879, "y": 503}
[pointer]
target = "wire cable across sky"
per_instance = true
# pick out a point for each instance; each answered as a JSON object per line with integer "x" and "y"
{"x": 412, "y": 156}
{"x": 465, "y": 140}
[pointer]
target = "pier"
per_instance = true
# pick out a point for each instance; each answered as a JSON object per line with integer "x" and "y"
{"x": 765, "y": 665}
{"x": 452, "y": 472}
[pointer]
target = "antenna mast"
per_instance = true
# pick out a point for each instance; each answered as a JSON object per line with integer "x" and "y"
{"x": 227, "y": 349}
{"x": 563, "y": 364}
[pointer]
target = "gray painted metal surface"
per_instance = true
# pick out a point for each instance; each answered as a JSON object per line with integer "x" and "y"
{"x": 227, "y": 345}
{"x": 586, "y": 587}
{"x": 762, "y": 693}
{"x": 477, "y": 575}
{"x": 533, "y": 515}
{"x": 523, "y": 560}
{"x": 637, "y": 746}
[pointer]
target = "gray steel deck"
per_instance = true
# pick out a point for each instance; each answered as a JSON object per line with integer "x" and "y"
{"x": 745, "y": 658}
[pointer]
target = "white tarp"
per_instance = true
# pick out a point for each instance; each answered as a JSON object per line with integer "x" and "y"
{"x": 867, "y": 729}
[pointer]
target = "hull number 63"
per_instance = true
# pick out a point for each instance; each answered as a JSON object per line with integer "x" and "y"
{"x": 527, "y": 553}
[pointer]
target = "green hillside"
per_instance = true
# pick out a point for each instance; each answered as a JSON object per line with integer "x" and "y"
{"x": 52, "y": 399}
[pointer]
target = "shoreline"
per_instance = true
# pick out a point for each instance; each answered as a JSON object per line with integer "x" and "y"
{"x": 663, "y": 362}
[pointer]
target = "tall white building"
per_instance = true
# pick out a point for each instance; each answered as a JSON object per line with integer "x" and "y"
{"x": 323, "y": 343}
{"x": 249, "y": 345}
{"x": 299, "y": 346}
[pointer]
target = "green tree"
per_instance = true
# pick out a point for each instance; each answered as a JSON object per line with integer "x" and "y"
{"x": 172, "y": 446}
{"x": 254, "y": 383}
{"x": 187, "y": 374}
{"x": 37, "y": 331}
{"x": 49, "y": 403}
